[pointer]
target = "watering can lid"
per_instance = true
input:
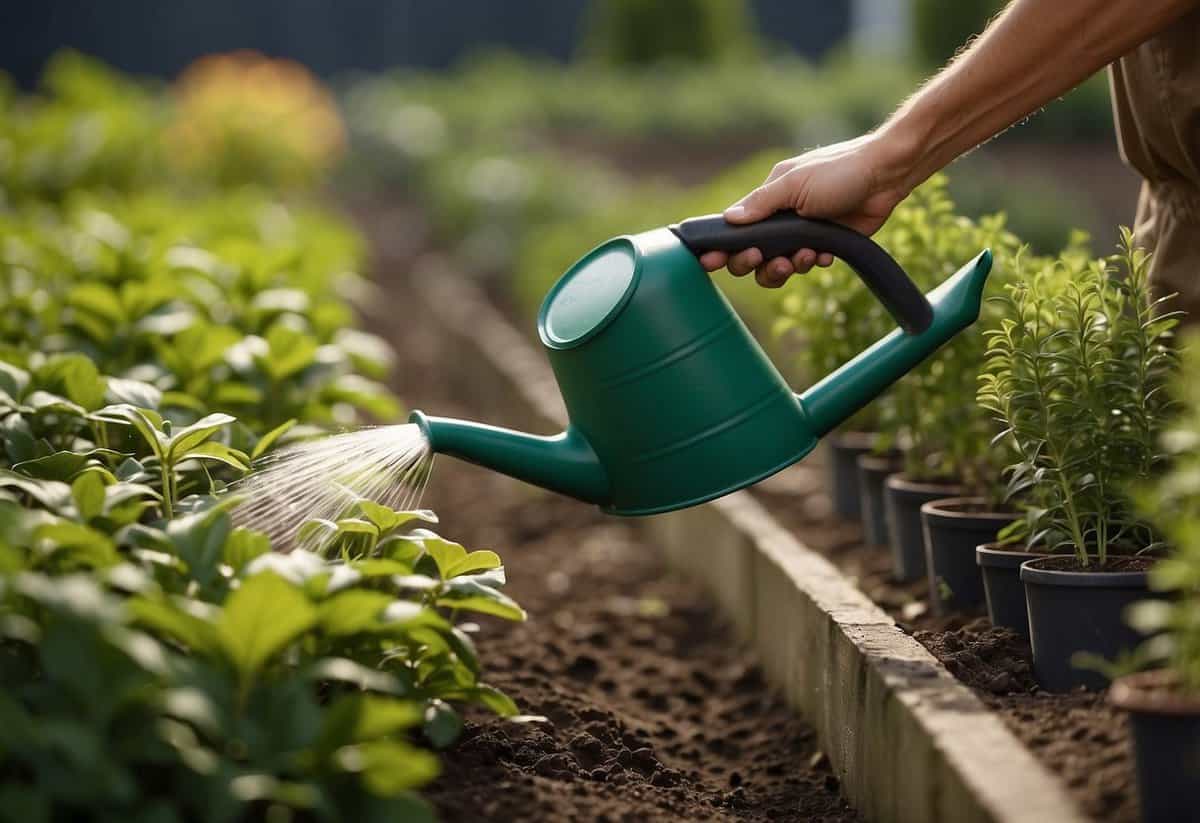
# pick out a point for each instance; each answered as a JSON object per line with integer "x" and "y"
{"x": 589, "y": 295}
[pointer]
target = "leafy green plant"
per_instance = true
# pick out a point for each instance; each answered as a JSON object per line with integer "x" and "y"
{"x": 1076, "y": 374}
{"x": 157, "y": 660}
{"x": 206, "y": 677}
{"x": 236, "y": 303}
{"x": 234, "y": 678}
{"x": 931, "y": 413}
{"x": 1171, "y": 502}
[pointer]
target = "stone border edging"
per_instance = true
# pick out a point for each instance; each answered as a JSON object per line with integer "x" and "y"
{"x": 908, "y": 741}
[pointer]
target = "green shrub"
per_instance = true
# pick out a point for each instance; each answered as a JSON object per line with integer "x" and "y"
{"x": 635, "y": 33}
{"x": 89, "y": 127}
{"x": 235, "y": 302}
{"x": 1076, "y": 375}
{"x": 1171, "y": 503}
{"x": 931, "y": 412}
{"x": 158, "y": 661}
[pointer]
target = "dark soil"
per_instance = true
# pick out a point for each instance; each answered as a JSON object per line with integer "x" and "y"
{"x": 1112, "y": 565}
{"x": 652, "y": 711}
{"x": 1078, "y": 735}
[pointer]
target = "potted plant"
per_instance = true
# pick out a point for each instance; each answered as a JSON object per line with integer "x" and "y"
{"x": 1076, "y": 373}
{"x": 872, "y": 470}
{"x": 829, "y": 317}
{"x": 1164, "y": 704}
{"x": 946, "y": 449}
{"x": 844, "y": 450}
{"x": 999, "y": 563}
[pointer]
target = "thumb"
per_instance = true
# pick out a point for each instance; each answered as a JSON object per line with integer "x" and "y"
{"x": 758, "y": 204}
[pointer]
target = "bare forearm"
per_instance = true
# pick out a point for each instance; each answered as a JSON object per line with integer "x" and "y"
{"x": 1033, "y": 52}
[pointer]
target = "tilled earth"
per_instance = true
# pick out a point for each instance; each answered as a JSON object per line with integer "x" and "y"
{"x": 652, "y": 711}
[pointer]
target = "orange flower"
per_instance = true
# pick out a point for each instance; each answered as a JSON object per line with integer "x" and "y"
{"x": 244, "y": 117}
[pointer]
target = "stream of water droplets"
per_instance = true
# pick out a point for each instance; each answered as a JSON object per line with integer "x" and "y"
{"x": 325, "y": 477}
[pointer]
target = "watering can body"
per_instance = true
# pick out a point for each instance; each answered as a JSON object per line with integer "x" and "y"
{"x": 671, "y": 400}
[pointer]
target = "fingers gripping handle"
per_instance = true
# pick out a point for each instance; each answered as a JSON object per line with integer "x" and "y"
{"x": 784, "y": 233}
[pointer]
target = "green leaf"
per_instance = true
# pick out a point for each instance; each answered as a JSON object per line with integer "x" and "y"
{"x": 497, "y": 604}
{"x": 88, "y": 492}
{"x": 189, "y": 437}
{"x": 63, "y": 465}
{"x": 83, "y": 545}
{"x": 263, "y": 616}
{"x": 354, "y": 525}
{"x": 199, "y": 540}
{"x": 165, "y": 618}
{"x": 76, "y": 377}
{"x": 98, "y": 299}
{"x": 233, "y": 393}
{"x": 52, "y": 494}
{"x": 464, "y": 649}
{"x": 265, "y": 442}
{"x": 133, "y": 392}
{"x": 353, "y": 611}
{"x": 358, "y": 718}
{"x": 45, "y": 402}
{"x": 493, "y": 699}
{"x": 388, "y": 519}
{"x": 389, "y": 768}
{"x": 219, "y": 453}
{"x": 242, "y": 546}
{"x": 13, "y": 381}
{"x": 379, "y": 567}
{"x": 343, "y": 670}
{"x": 442, "y": 723}
{"x": 476, "y": 561}
{"x": 290, "y": 352}
{"x": 146, "y": 422}
{"x": 445, "y": 553}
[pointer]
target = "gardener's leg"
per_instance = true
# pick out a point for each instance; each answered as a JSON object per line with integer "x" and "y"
{"x": 1168, "y": 224}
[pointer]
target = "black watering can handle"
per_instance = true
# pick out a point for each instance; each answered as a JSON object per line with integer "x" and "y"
{"x": 784, "y": 233}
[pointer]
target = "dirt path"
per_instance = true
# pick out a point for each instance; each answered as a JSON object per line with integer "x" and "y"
{"x": 654, "y": 712}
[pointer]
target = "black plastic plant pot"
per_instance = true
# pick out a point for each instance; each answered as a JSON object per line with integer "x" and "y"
{"x": 1166, "y": 744}
{"x": 873, "y": 470}
{"x": 953, "y": 528}
{"x": 1077, "y": 611}
{"x": 1000, "y": 571}
{"x": 845, "y": 449}
{"x": 902, "y": 502}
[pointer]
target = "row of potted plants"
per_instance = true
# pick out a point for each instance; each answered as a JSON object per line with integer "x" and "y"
{"x": 1023, "y": 490}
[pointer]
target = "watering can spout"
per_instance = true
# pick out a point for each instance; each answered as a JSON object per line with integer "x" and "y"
{"x": 955, "y": 303}
{"x": 563, "y": 463}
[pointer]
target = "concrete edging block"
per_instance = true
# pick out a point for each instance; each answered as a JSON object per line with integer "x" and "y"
{"x": 908, "y": 741}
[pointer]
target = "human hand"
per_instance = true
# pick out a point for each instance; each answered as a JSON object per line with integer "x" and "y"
{"x": 856, "y": 183}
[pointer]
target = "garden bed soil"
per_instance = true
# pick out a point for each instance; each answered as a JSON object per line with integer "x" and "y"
{"x": 653, "y": 711}
{"x": 1079, "y": 736}
{"x": 1112, "y": 565}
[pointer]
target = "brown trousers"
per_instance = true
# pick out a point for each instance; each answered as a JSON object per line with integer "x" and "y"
{"x": 1156, "y": 105}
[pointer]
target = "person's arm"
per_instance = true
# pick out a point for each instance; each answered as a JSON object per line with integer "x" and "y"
{"x": 1030, "y": 54}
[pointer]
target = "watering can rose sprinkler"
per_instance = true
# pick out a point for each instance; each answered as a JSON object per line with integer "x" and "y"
{"x": 671, "y": 400}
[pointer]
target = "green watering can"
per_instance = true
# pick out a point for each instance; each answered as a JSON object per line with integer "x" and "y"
{"x": 671, "y": 400}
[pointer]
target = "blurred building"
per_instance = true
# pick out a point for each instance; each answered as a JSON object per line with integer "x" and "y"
{"x": 331, "y": 36}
